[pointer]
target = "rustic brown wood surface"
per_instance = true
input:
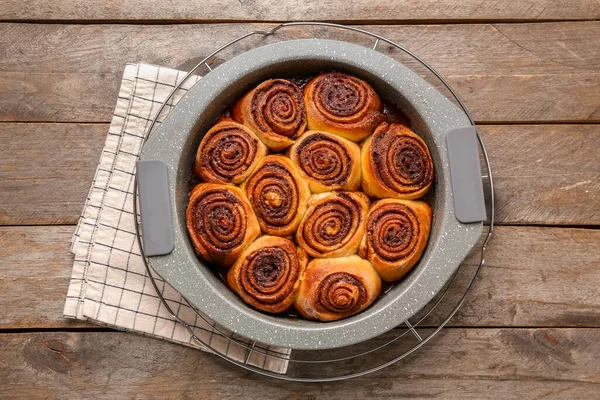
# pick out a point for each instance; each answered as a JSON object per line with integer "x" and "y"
{"x": 278, "y": 10}
{"x": 529, "y": 72}
{"x": 459, "y": 364}
{"x": 71, "y": 73}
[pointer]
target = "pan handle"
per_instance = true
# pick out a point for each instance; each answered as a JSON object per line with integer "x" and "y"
{"x": 465, "y": 175}
{"x": 155, "y": 207}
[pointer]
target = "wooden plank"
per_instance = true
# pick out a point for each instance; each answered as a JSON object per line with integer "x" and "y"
{"x": 504, "y": 72}
{"x": 271, "y": 10}
{"x": 46, "y": 171}
{"x": 544, "y": 174}
{"x": 533, "y": 277}
{"x": 458, "y": 364}
{"x": 34, "y": 277}
{"x": 56, "y": 96}
{"x": 470, "y": 49}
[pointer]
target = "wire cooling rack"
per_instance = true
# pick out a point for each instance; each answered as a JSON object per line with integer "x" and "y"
{"x": 402, "y": 341}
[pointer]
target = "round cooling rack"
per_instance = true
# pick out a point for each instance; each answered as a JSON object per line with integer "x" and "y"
{"x": 398, "y": 343}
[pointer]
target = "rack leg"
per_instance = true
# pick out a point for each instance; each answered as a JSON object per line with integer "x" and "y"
{"x": 413, "y": 330}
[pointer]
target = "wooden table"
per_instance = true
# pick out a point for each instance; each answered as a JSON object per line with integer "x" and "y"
{"x": 528, "y": 70}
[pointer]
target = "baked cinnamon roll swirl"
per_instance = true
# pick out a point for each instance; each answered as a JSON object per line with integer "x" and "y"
{"x": 275, "y": 111}
{"x": 228, "y": 153}
{"x": 336, "y": 288}
{"x": 396, "y": 163}
{"x": 220, "y": 222}
{"x": 327, "y": 162}
{"x": 278, "y": 195}
{"x": 268, "y": 273}
{"x": 342, "y": 104}
{"x": 333, "y": 224}
{"x": 395, "y": 237}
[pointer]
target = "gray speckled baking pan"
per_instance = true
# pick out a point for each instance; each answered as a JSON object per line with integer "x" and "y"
{"x": 176, "y": 141}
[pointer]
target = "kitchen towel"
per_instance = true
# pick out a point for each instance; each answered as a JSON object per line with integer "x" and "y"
{"x": 109, "y": 284}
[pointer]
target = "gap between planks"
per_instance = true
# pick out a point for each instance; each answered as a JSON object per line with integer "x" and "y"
{"x": 485, "y": 225}
{"x": 482, "y": 123}
{"x": 257, "y": 21}
{"x": 100, "y": 328}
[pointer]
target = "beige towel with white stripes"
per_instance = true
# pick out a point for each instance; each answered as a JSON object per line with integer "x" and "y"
{"x": 109, "y": 284}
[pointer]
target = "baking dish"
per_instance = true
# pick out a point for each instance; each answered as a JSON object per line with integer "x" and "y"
{"x": 171, "y": 150}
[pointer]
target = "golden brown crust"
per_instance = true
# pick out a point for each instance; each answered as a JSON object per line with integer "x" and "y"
{"x": 327, "y": 162}
{"x": 333, "y": 224}
{"x": 275, "y": 111}
{"x": 221, "y": 222}
{"x": 342, "y": 104}
{"x": 337, "y": 288}
{"x": 268, "y": 274}
{"x": 278, "y": 195}
{"x": 228, "y": 153}
{"x": 396, "y": 163}
{"x": 395, "y": 237}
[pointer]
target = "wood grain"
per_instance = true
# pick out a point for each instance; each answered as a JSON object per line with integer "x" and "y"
{"x": 542, "y": 279}
{"x": 46, "y": 170}
{"x": 533, "y": 277}
{"x": 544, "y": 174}
{"x": 34, "y": 277}
{"x": 551, "y": 68}
{"x": 548, "y": 48}
{"x": 477, "y": 364}
{"x": 272, "y": 10}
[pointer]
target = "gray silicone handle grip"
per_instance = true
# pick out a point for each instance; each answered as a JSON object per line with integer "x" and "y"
{"x": 155, "y": 207}
{"x": 465, "y": 174}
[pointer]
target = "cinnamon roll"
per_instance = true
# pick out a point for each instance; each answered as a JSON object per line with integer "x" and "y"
{"x": 267, "y": 275}
{"x": 278, "y": 195}
{"x": 396, "y": 163}
{"x": 327, "y": 162}
{"x": 396, "y": 235}
{"x": 333, "y": 224}
{"x": 220, "y": 222}
{"x": 342, "y": 104}
{"x": 337, "y": 288}
{"x": 228, "y": 153}
{"x": 275, "y": 111}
